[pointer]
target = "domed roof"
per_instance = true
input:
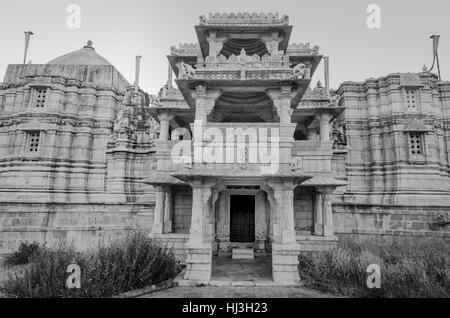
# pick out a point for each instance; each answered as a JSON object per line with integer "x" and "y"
{"x": 84, "y": 56}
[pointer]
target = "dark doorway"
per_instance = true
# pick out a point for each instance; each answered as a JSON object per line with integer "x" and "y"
{"x": 242, "y": 218}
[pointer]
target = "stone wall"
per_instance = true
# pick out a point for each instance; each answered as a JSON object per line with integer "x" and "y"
{"x": 182, "y": 209}
{"x": 396, "y": 189}
{"x": 367, "y": 221}
{"x": 81, "y": 224}
{"x": 76, "y": 185}
{"x": 304, "y": 210}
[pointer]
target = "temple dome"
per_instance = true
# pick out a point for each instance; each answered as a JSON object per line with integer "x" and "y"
{"x": 84, "y": 56}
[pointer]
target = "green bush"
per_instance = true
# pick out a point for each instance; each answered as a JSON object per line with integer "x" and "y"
{"x": 23, "y": 254}
{"x": 128, "y": 263}
{"x": 407, "y": 270}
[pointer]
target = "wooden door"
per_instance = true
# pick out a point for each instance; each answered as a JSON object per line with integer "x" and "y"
{"x": 242, "y": 218}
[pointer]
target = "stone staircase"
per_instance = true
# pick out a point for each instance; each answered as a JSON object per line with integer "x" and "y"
{"x": 243, "y": 251}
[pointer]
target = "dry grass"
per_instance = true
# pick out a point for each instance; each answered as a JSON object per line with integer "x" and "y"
{"x": 129, "y": 263}
{"x": 407, "y": 270}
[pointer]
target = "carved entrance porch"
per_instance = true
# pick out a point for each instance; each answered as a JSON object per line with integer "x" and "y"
{"x": 242, "y": 217}
{"x": 211, "y": 223}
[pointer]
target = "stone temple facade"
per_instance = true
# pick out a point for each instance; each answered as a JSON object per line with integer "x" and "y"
{"x": 86, "y": 156}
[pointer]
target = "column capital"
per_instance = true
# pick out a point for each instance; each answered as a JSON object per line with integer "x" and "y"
{"x": 215, "y": 43}
{"x": 323, "y": 117}
{"x": 204, "y": 101}
{"x": 281, "y": 99}
{"x": 201, "y": 92}
{"x": 325, "y": 189}
{"x": 281, "y": 185}
{"x": 285, "y": 92}
{"x": 165, "y": 116}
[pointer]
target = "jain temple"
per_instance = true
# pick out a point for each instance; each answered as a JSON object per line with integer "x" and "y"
{"x": 238, "y": 154}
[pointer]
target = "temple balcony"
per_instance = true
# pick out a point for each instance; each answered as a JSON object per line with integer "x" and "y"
{"x": 244, "y": 67}
{"x": 245, "y": 150}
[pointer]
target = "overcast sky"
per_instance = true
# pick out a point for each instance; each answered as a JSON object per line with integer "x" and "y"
{"x": 121, "y": 30}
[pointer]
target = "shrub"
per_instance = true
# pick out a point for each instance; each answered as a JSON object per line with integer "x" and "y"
{"x": 128, "y": 263}
{"x": 407, "y": 270}
{"x": 22, "y": 255}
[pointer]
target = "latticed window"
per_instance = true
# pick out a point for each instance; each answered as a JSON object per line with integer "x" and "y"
{"x": 415, "y": 144}
{"x": 33, "y": 141}
{"x": 411, "y": 99}
{"x": 40, "y": 97}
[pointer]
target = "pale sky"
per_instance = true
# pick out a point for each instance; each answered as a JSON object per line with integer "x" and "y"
{"x": 121, "y": 30}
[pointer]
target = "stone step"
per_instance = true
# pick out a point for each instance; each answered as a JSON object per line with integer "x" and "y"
{"x": 243, "y": 253}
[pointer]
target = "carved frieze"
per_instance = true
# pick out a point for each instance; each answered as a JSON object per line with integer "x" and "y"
{"x": 244, "y": 18}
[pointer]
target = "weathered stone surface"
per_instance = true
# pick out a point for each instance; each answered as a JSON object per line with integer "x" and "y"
{"x": 85, "y": 156}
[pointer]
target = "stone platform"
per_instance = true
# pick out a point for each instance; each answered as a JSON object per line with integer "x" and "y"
{"x": 227, "y": 271}
{"x": 243, "y": 253}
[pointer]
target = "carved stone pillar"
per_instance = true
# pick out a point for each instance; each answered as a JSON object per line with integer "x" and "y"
{"x": 164, "y": 119}
{"x": 282, "y": 102}
{"x": 223, "y": 218}
{"x": 203, "y": 107}
{"x": 284, "y": 247}
{"x": 318, "y": 219}
{"x": 204, "y": 102}
{"x": 327, "y": 215}
{"x": 284, "y": 111}
{"x": 327, "y": 212}
{"x": 324, "y": 120}
{"x": 272, "y": 42}
{"x": 168, "y": 212}
{"x": 284, "y": 232}
{"x": 261, "y": 220}
{"x": 158, "y": 218}
{"x": 199, "y": 204}
{"x": 215, "y": 43}
{"x": 199, "y": 251}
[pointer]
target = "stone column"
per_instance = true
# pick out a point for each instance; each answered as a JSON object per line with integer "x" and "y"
{"x": 282, "y": 102}
{"x": 318, "y": 219}
{"x": 168, "y": 212}
{"x": 284, "y": 247}
{"x": 158, "y": 216}
{"x": 261, "y": 220}
{"x": 203, "y": 107}
{"x": 327, "y": 212}
{"x": 223, "y": 218}
{"x": 327, "y": 215}
{"x": 204, "y": 102}
{"x": 164, "y": 119}
{"x": 272, "y": 42}
{"x": 215, "y": 43}
{"x": 198, "y": 216}
{"x": 324, "y": 120}
{"x": 198, "y": 250}
{"x": 284, "y": 111}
